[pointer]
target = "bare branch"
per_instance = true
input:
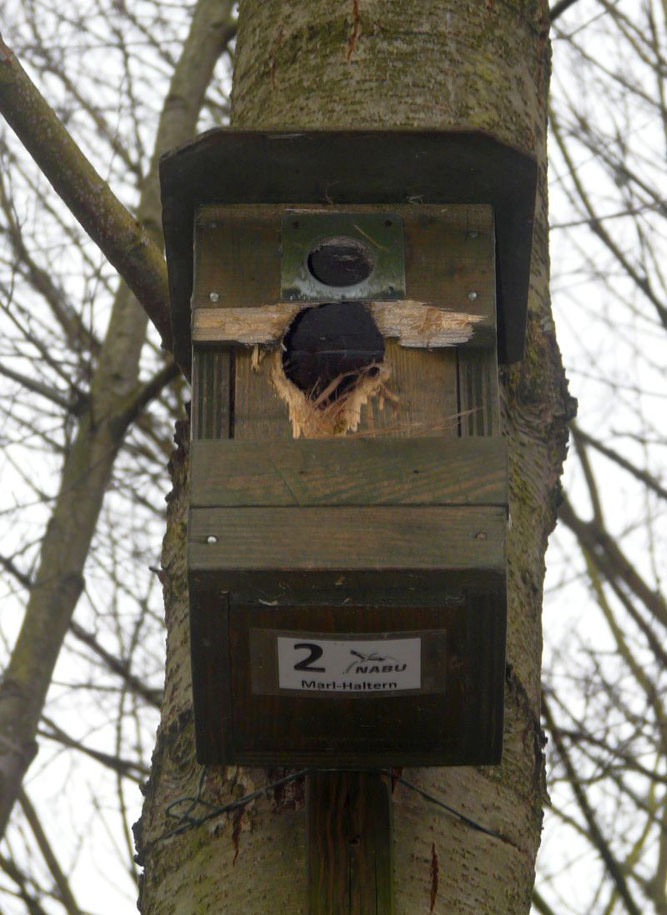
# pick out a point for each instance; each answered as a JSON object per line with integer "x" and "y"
{"x": 146, "y": 394}
{"x": 595, "y": 832}
{"x": 117, "y": 666}
{"x": 120, "y": 236}
{"x": 541, "y": 904}
{"x": 60, "y": 880}
{"x": 642, "y": 282}
{"x": 638, "y": 474}
{"x": 611, "y": 561}
{"x": 125, "y": 767}
{"x": 37, "y": 388}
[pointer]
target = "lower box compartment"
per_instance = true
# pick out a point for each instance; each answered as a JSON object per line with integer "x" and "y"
{"x": 309, "y": 680}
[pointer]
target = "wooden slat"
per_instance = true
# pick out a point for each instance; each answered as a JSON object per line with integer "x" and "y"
{"x": 259, "y": 414}
{"x": 348, "y": 823}
{"x": 422, "y": 398}
{"x": 349, "y": 472}
{"x": 210, "y": 412}
{"x": 478, "y": 386}
{"x": 448, "y": 255}
{"x": 237, "y": 256}
{"x": 384, "y": 537}
{"x": 423, "y": 385}
{"x": 420, "y": 325}
{"x": 478, "y": 391}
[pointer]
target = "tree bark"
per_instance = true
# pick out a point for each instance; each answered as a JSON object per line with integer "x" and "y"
{"x": 365, "y": 64}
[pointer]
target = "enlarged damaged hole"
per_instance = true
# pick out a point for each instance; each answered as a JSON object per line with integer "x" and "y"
{"x": 327, "y": 349}
{"x": 329, "y": 366}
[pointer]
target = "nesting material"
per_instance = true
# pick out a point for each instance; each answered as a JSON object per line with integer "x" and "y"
{"x": 324, "y": 415}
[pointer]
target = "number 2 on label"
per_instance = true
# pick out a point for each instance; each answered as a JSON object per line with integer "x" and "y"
{"x": 315, "y": 654}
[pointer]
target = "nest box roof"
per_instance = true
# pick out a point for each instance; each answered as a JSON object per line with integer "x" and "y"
{"x": 347, "y": 167}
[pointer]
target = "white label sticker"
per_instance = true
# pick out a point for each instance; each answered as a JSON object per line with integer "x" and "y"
{"x": 349, "y": 665}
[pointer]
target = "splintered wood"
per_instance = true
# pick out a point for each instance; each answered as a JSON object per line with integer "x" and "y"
{"x": 323, "y": 417}
{"x": 412, "y": 324}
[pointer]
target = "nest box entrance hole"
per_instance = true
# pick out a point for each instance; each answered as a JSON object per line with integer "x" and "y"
{"x": 340, "y": 261}
{"x": 329, "y": 348}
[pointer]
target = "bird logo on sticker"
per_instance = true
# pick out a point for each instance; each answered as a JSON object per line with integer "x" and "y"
{"x": 361, "y": 658}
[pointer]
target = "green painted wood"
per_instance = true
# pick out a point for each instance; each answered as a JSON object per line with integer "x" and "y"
{"x": 422, "y": 400}
{"x": 355, "y": 471}
{"x": 348, "y": 824}
{"x": 237, "y": 256}
{"x": 259, "y": 414}
{"x": 478, "y": 391}
{"x": 210, "y": 413}
{"x": 379, "y": 537}
{"x": 449, "y": 256}
{"x": 237, "y": 263}
{"x": 424, "y": 397}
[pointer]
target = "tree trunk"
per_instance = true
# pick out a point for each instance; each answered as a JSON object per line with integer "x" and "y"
{"x": 365, "y": 64}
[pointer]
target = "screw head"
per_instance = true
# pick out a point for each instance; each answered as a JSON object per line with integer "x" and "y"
{"x": 473, "y": 234}
{"x": 214, "y": 296}
{"x": 472, "y": 295}
{"x": 211, "y": 539}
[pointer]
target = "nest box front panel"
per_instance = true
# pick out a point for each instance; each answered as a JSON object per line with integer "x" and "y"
{"x": 412, "y": 690}
{"x": 348, "y": 485}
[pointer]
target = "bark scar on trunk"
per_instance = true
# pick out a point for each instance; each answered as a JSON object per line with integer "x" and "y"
{"x": 435, "y": 872}
{"x": 236, "y": 834}
{"x": 355, "y": 29}
{"x": 277, "y": 41}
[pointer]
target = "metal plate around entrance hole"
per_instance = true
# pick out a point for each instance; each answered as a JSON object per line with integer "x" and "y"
{"x": 380, "y": 233}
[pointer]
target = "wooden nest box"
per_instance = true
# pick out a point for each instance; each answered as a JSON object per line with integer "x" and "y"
{"x": 341, "y": 300}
